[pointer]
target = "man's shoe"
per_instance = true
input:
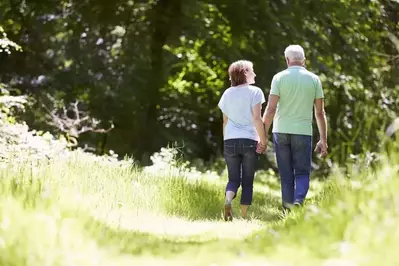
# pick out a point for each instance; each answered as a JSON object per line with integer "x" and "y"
{"x": 228, "y": 214}
{"x": 297, "y": 204}
{"x": 287, "y": 206}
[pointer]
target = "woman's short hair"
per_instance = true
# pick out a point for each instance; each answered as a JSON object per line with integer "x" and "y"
{"x": 238, "y": 72}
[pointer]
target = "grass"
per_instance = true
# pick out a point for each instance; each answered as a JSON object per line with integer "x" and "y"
{"x": 78, "y": 210}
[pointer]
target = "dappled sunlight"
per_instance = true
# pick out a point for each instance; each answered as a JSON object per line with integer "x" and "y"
{"x": 49, "y": 237}
{"x": 113, "y": 129}
{"x": 127, "y": 212}
{"x": 166, "y": 163}
{"x": 315, "y": 188}
{"x": 178, "y": 228}
{"x": 268, "y": 191}
{"x": 93, "y": 210}
{"x": 268, "y": 183}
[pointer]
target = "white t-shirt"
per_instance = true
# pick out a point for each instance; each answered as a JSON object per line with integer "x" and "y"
{"x": 237, "y": 104}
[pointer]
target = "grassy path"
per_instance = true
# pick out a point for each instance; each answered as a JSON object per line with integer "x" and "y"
{"x": 78, "y": 211}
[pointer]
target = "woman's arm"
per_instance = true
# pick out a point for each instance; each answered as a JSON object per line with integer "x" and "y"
{"x": 260, "y": 128}
{"x": 225, "y": 118}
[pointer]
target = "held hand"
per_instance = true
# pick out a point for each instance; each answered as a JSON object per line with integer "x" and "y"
{"x": 321, "y": 147}
{"x": 261, "y": 147}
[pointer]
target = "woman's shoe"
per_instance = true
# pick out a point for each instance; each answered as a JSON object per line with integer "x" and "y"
{"x": 228, "y": 213}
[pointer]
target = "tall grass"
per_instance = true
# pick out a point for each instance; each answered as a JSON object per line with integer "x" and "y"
{"x": 353, "y": 222}
{"x": 78, "y": 210}
{"x": 83, "y": 210}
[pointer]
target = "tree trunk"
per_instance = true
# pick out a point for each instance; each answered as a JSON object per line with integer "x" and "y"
{"x": 164, "y": 19}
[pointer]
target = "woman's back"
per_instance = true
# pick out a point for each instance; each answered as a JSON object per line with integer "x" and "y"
{"x": 243, "y": 133}
{"x": 237, "y": 104}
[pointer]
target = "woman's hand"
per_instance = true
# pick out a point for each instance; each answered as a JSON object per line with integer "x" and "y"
{"x": 261, "y": 147}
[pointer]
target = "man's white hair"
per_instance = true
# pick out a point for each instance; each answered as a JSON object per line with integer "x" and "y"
{"x": 295, "y": 53}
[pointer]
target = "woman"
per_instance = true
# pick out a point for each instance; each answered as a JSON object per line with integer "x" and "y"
{"x": 243, "y": 133}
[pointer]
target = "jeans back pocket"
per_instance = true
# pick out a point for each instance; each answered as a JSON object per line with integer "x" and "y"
{"x": 249, "y": 148}
{"x": 229, "y": 149}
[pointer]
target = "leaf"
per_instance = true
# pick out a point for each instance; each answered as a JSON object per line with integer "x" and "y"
{"x": 394, "y": 40}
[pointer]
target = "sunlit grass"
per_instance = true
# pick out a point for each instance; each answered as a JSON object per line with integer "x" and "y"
{"x": 76, "y": 210}
{"x": 82, "y": 208}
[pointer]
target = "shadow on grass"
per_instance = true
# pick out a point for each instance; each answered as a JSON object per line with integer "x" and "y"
{"x": 203, "y": 200}
{"x": 136, "y": 243}
{"x": 198, "y": 200}
{"x": 266, "y": 207}
{"x": 270, "y": 181}
{"x": 133, "y": 242}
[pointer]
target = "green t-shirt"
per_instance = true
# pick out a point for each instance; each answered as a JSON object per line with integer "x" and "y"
{"x": 297, "y": 89}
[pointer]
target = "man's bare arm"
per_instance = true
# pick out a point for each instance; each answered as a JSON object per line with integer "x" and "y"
{"x": 321, "y": 119}
{"x": 270, "y": 111}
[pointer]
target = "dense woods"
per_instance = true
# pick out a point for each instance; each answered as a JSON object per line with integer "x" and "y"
{"x": 135, "y": 76}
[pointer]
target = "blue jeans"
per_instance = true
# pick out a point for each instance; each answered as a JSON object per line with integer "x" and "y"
{"x": 241, "y": 158}
{"x": 294, "y": 156}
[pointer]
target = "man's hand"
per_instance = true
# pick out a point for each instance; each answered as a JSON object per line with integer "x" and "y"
{"x": 261, "y": 147}
{"x": 321, "y": 147}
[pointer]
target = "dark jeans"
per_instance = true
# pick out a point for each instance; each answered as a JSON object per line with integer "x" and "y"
{"x": 241, "y": 158}
{"x": 294, "y": 155}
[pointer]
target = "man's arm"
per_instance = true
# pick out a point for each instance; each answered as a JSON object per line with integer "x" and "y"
{"x": 270, "y": 111}
{"x": 321, "y": 120}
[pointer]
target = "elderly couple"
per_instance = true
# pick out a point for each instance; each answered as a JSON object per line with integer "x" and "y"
{"x": 293, "y": 94}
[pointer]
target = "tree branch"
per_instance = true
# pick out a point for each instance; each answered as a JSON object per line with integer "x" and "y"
{"x": 68, "y": 120}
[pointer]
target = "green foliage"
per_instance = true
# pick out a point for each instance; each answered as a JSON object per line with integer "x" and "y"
{"x": 157, "y": 69}
{"x": 10, "y": 105}
{"x": 6, "y": 45}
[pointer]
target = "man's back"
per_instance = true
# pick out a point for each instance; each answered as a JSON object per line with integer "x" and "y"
{"x": 293, "y": 94}
{"x": 297, "y": 89}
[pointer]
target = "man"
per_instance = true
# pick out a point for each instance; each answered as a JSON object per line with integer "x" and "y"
{"x": 294, "y": 92}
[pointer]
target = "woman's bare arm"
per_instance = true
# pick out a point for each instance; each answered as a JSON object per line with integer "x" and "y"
{"x": 225, "y": 118}
{"x": 260, "y": 128}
